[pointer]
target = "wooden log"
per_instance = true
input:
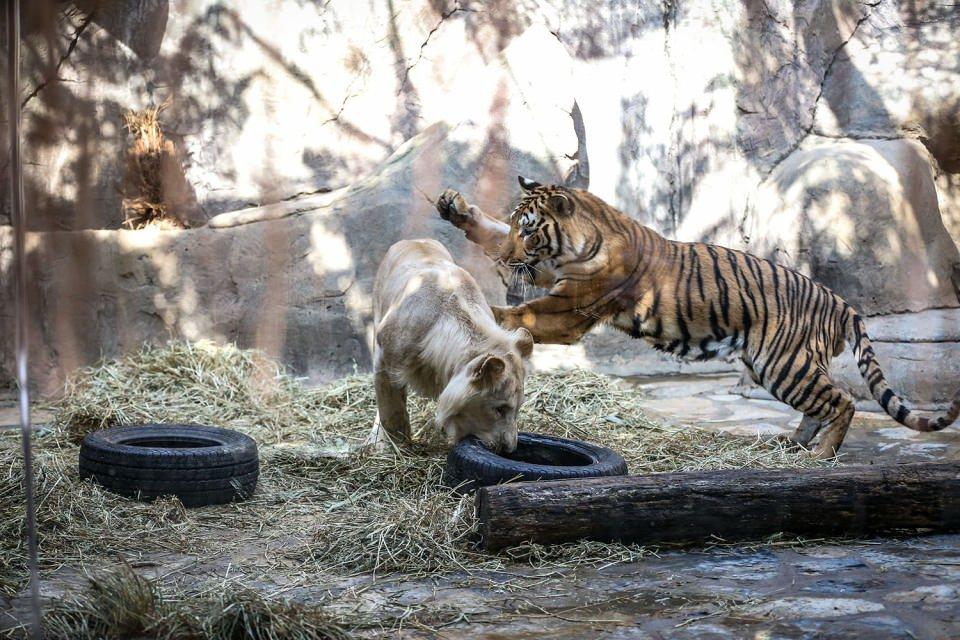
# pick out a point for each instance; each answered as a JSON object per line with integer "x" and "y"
{"x": 732, "y": 505}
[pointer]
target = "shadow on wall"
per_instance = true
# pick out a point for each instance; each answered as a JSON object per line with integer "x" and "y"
{"x": 780, "y": 101}
{"x": 221, "y": 73}
{"x": 74, "y": 133}
{"x": 84, "y": 67}
{"x": 296, "y": 284}
{"x": 941, "y": 133}
{"x": 680, "y": 162}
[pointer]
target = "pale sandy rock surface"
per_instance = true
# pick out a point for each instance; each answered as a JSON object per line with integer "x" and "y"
{"x": 820, "y": 133}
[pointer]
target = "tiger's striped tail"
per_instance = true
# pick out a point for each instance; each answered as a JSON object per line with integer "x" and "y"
{"x": 859, "y": 341}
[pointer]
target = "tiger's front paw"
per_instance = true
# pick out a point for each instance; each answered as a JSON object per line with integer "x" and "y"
{"x": 785, "y": 441}
{"x": 506, "y": 317}
{"x": 454, "y": 208}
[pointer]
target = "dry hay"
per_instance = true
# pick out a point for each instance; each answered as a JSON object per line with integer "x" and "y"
{"x": 324, "y": 505}
{"x": 155, "y": 190}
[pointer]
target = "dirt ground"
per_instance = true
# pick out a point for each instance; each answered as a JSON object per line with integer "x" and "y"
{"x": 882, "y": 588}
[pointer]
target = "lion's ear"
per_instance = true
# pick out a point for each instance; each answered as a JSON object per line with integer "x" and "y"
{"x": 524, "y": 341}
{"x": 527, "y": 185}
{"x": 488, "y": 371}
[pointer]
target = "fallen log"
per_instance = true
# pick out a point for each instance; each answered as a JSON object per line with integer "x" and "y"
{"x": 733, "y": 505}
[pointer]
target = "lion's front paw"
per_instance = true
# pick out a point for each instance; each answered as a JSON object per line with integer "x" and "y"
{"x": 454, "y": 208}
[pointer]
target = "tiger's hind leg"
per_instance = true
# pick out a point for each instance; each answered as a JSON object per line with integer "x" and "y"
{"x": 805, "y": 432}
{"x": 824, "y": 407}
{"x": 836, "y": 428}
{"x": 808, "y": 429}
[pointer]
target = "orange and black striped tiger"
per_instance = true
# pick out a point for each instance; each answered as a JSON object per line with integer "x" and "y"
{"x": 694, "y": 300}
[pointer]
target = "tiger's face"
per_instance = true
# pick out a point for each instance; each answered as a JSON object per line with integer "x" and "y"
{"x": 548, "y": 231}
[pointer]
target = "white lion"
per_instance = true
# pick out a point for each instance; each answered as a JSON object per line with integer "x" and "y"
{"x": 436, "y": 334}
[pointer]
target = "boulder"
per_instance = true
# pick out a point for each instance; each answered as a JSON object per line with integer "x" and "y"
{"x": 860, "y": 216}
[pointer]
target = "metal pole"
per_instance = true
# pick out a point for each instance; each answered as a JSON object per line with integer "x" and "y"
{"x": 20, "y": 297}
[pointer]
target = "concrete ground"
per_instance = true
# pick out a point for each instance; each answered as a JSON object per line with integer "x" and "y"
{"x": 897, "y": 588}
{"x": 709, "y": 402}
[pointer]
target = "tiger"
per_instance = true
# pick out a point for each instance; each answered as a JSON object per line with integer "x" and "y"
{"x": 694, "y": 300}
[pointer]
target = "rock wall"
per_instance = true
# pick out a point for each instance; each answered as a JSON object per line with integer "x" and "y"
{"x": 822, "y": 134}
{"x": 294, "y": 280}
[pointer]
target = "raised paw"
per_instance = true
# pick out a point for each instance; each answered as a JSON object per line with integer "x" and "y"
{"x": 454, "y": 208}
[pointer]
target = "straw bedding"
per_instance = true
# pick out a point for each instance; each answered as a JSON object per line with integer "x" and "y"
{"x": 156, "y": 193}
{"x": 324, "y": 505}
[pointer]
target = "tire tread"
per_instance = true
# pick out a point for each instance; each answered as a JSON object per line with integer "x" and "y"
{"x": 199, "y": 476}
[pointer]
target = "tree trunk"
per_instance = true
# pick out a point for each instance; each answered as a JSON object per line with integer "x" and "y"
{"x": 730, "y": 505}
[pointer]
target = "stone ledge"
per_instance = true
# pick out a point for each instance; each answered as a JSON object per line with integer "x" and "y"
{"x": 926, "y": 374}
{"x": 930, "y": 325}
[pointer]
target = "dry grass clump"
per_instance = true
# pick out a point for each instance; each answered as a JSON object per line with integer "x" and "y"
{"x": 12, "y": 548}
{"x": 76, "y": 521}
{"x": 596, "y": 408}
{"x": 188, "y": 382}
{"x": 118, "y": 605}
{"x": 155, "y": 189}
{"x": 248, "y": 614}
{"x": 325, "y": 508}
{"x": 122, "y": 604}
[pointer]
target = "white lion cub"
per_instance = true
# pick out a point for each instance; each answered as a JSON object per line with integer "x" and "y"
{"x": 435, "y": 334}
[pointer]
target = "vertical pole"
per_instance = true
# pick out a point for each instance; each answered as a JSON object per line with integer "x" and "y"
{"x": 20, "y": 297}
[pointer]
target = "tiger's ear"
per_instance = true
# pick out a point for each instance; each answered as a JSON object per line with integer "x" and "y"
{"x": 527, "y": 185}
{"x": 560, "y": 204}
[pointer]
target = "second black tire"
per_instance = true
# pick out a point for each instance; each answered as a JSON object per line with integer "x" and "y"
{"x": 538, "y": 457}
{"x": 200, "y": 465}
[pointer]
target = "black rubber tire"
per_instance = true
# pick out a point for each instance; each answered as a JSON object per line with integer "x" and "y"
{"x": 471, "y": 465}
{"x": 221, "y": 465}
